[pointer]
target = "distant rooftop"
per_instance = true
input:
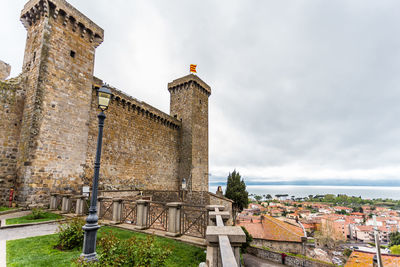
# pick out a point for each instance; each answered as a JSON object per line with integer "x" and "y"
{"x": 273, "y": 229}
{"x": 360, "y": 258}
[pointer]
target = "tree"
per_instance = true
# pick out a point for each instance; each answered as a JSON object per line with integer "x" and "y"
{"x": 268, "y": 197}
{"x": 236, "y": 191}
{"x": 394, "y": 239}
{"x": 258, "y": 198}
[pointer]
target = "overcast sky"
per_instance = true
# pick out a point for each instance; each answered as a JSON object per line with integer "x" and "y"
{"x": 300, "y": 89}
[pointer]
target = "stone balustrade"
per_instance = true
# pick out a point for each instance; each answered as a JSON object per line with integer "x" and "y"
{"x": 175, "y": 218}
{"x": 223, "y": 242}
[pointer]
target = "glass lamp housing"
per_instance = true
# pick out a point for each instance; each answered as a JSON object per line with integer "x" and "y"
{"x": 104, "y": 96}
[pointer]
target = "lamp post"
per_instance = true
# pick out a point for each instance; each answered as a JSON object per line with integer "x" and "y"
{"x": 91, "y": 226}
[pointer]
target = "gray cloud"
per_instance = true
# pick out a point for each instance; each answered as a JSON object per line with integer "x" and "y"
{"x": 304, "y": 89}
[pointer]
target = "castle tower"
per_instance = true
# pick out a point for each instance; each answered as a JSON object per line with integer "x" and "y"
{"x": 58, "y": 74}
{"x": 189, "y": 103}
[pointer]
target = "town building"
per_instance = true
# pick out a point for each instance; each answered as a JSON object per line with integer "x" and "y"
{"x": 275, "y": 234}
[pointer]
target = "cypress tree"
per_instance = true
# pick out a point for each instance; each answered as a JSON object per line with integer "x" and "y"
{"x": 236, "y": 191}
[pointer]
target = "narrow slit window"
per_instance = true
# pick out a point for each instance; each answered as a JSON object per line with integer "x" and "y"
{"x": 72, "y": 54}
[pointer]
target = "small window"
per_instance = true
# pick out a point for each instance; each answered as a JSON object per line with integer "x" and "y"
{"x": 34, "y": 56}
{"x": 72, "y": 54}
{"x": 200, "y": 101}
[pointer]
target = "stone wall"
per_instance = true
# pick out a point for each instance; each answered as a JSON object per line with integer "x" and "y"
{"x": 289, "y": 260}
{"x": 291, "y": 247}
{"x": 140, "y": 146}
{"x": 59, "y": 62}
{"x": 189, "y": 104}
{"x": 11, "y": 106}
{"x": 53, "y": 145}
{"x": 5, "y": 70}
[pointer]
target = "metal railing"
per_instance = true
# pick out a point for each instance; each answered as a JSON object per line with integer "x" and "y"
{"x": 129, "y": 212}
{"x": 157, "y": 216}
{"x": 175, "y": 218}
{"x": 194, "y": 220}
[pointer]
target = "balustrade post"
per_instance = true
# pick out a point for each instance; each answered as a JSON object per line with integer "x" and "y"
{"x": 223, "y": 242}
{"x": 99, "y": 200}
{"x": 174, "y": 218}
{"x": 80, "y": 208}
{"x": 117, "y": 210}
{"x": 213, "y": 208}
{"x": 142, "y": 214}
{"x": 66, "y": 203}
{"x": 53, "y": 201}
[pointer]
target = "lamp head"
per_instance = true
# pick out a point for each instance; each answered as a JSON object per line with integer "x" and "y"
{"x": 104, "y": 96}
{"x": 184, "y": 184}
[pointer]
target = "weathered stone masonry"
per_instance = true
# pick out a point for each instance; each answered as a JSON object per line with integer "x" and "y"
{"x": 49, "y": 119}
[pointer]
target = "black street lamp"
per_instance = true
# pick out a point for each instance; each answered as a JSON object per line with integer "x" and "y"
{"x": 91, "y": 226}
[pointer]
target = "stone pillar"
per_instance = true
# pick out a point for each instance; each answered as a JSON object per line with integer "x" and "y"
{"x": 81, "y": 207}
{"x": 117, "y": 210}
{"x": 66, "y": 203}
{"x": 53, "y": 201}
{"x": 142, "y": 213}
{"x": 174, "y": 218}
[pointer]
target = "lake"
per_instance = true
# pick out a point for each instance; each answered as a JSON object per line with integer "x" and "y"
{"x": 366, "y": 192}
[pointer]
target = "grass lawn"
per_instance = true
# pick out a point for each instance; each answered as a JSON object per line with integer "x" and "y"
{"x": 39, "y": 251}
{"x": 47, "y": 216}
{"x": 5, "y": 208}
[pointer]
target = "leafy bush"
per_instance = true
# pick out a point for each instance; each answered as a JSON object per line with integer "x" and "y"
{"x": 394, "y": 239}
{"x": 70, "y": 234}
{"x": 37, "y": 213}
{"x": 249, "y": 238}
{"x": 131, "y": 252}
{"x": 347, "y": 252}
{"x": 395, "y": 249}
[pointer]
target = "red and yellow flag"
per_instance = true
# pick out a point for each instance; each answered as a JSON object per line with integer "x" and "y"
{"x": 193, "y": 68}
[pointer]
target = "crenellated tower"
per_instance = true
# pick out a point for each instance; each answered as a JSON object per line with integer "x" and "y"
{"x": 189, "y": 104}
{"x": 58, "y": 75}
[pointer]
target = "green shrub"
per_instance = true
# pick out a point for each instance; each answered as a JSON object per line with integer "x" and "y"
{"x": 131, "y": 252}
{"x": 37, "y": 213}
{"x": 347, "y": 252}
{"x": 70, "y": 234}
{"x": 395, "y": 249}
{"x": 249, "y": 238}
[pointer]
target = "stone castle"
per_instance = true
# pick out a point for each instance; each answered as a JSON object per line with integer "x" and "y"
{"x": 49, "y": 126}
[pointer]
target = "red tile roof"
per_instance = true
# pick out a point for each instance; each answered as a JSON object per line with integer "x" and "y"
{"x": 366, "y": 228}
{"x": 362, "y": 259}
{"x": 273, "y": 229}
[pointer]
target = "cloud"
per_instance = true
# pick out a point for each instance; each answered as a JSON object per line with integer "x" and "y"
{"x": 300, "y": 89}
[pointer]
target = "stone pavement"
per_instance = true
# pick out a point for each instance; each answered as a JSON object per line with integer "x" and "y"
{"x": 253, "y": 261}
{"x": 22, "y": 232}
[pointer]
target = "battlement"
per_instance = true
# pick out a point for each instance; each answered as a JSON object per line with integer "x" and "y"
{"x": 10, "y": 90}
{"x": 140, "y": 107}
{"x": 35, "y": 9}
{"x": 187, "y": 81}
{"x": 5, "y": 70}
